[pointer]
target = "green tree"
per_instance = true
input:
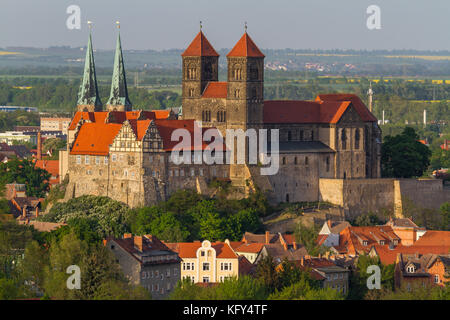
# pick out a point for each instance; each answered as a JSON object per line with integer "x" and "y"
{"x": 307, "y": 236}
{"x": 24, "y": 171}
{"x": 267, "y": 274}
{"x": 403, "y": 156}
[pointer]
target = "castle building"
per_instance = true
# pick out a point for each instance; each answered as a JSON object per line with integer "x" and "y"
{"x": 125, "y": 154}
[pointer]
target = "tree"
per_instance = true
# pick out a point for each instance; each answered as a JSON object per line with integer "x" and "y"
{"x": 403, "y": 156}
{"x": 267, "y": 274}
{"x": 370, "y": 219}
{"x": 307, "y": 236}
{"x": 445, "y": 214}
{"x": 24, "y": 171}
{"x": 106, "y": 217}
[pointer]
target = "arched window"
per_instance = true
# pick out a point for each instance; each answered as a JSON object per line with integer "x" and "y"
{"x": 343, "y": 139}
{"x": 191, "y": 92}
{"x": 237, "y": 72}
{"x": 357, "y": 137}
{"x": 237, "y": 93}
{"x": 192, "y": 72}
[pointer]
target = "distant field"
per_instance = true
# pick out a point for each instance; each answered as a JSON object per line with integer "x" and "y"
{"x": 7, "y": 53}
{"x": 429, "y": 58}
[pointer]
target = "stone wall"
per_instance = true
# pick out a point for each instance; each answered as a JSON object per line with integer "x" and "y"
{"x": 360, "y": 196}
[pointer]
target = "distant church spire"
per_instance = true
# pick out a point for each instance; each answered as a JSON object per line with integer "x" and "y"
{"x": 118, "y": 99}
{"x": 88, "y": 97}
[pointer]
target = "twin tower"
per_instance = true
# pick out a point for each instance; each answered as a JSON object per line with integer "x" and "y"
{"x": 236, "y": 103}
{"x": 88, "y": 96}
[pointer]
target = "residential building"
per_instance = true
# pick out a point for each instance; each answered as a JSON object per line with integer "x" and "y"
{"x": 148, "y": 262}
{"x": 421, "y": 270}
{"x": 207, "y": 262}
{"x": 55, "y": 124}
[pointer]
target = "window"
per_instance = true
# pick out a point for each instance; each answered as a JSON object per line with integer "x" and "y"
{"x": 206, "y": 279}
{"x": 357, "y": 137}
{"x": 105, "y": 160}
{"x": 201, "y": 172}
{"x": 295, "y": 160}
{"x": 87, "y": 159}
{"x": 237, "y": 93}
{"x": 436, "y": 278}
{"x": 284, "y": 160}
{"x": 97, "y": 160}
{"x": 202, "y": 253}
{"x": 237, "y": 72}
{"x": 191, "y": 92}
{"x": 192, "y": 172}
{"x": 114, "y": 157}
{"x": 301, "y": 135}
{"x": 205, "y": 266}
{"x": 306, "y": 161}
{"x": 289, "y": 136}
{"x": 181, "y": 173}
{"x": 312, "y": 135}
{"x": 410, "y": 269}
{"x": 343, "y": 139}
{"x": 78, "y": 159}
{"x": 225, "y": 266}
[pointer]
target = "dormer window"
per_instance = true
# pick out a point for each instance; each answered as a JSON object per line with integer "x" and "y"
{"x": 365, "y": 243}
{"x": 410, "y": 269}
{"x": 382, "y": 242}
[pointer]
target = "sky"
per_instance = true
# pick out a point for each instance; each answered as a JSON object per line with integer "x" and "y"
{"x": 273, "y": 24}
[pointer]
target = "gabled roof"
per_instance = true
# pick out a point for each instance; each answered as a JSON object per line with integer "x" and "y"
{"x": 95, "y": 138}
{"x": 245, "y": 47}
{"x": 200, "y": 47}
{"x": 215, "y": 90}
{"x": 361, "y": 109}
{"x": 51, "y": 166}
{"x": 189, "y": 249}
{"x": 166, "y": 127}
{"x": 250, "y": 247}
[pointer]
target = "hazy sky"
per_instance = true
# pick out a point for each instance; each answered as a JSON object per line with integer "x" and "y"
{"x": 165, "y": 24}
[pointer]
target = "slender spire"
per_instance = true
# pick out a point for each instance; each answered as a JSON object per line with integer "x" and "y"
{"x": 118, "y": 98}
{"x": 88, "y": 97}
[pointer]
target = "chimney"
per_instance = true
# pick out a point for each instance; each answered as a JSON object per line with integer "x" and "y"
{"x": 285, "y": 246}
{"x": 138, "y": 242}
{"x": 267, "y": 237}
{"x": 39, "y": 146}
{"x": 302, "y": 261}
{"x": 24, "y": 212}
{"x": 37, "y": 212}
{"x": 294, "y": 244}
{"x": 127, "y": 235}
{"x": 329, "y": 223}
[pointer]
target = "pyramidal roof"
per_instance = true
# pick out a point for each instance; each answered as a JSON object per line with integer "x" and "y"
{"x": 119, "y": 90}
{"x": 245, "y": 47}
{"x": 88, "y": 93}
{"x": 200, "y": 47}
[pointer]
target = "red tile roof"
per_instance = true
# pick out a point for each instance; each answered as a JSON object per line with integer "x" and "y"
{"x": 200, "y": 46}
{"x": 245, "y": 47}
{"x": 250, "y": 247}
{"x": 166, "y": 127}
{"x": 189, "y": 249}
{"x": 360, "y": 107}
{"x": 215, "y": 90}
{"x": 51, "y": 166}
{"x": 90, "y": 141}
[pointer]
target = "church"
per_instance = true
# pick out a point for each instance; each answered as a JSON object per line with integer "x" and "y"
{"x": 122, "y": 152}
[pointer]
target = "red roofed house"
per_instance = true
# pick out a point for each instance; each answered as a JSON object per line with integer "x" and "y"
{"x": 207, "y": 262}
{"x": 387, "y": 241}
